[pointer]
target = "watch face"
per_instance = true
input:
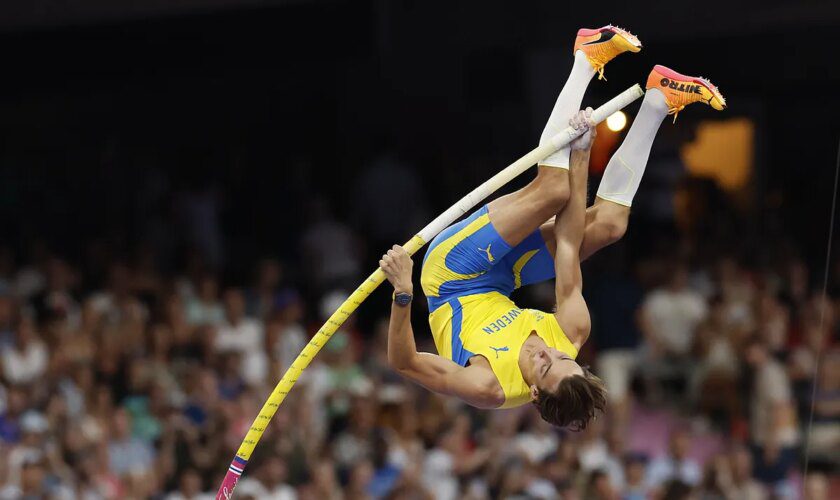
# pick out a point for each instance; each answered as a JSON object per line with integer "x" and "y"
{"x": 402, "y": 299}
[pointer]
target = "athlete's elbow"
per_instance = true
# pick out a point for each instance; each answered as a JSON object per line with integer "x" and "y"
{"x": 399, "y": 362}
{"x": 406, "y": 369}
{"x": 395, "y": 362}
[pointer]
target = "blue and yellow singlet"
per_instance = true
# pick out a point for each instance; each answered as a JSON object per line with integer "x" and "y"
{"x": 468, "y": 275}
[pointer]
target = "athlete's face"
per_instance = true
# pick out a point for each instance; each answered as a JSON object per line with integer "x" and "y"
{"x": 550, "y": 366}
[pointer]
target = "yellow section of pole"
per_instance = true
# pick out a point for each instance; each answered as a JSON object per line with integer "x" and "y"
{"x": 311, "y": 350}
{"x": 281, "y": 390}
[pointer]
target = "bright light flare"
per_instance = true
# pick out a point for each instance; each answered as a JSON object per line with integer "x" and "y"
{"x": 617, "y": 121}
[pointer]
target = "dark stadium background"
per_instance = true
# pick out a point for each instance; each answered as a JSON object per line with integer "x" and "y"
{"x": 212, "y": 92}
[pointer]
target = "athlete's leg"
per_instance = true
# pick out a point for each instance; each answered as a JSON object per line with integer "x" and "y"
{"x": 627, "y": 166}
{"x": 606, "y": 223}
{"x": 532, "y": 260}
{"x": 517, "y": 215}
{"x": 607, "y": 218}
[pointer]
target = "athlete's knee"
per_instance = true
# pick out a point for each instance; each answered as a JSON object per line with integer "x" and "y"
{"x": 615, "y": 227}
{"x": 611, "y": 220}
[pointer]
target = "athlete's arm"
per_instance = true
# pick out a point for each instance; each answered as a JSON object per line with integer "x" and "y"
{"x": 473, "y": 384}
{"x": 572, "y": 313}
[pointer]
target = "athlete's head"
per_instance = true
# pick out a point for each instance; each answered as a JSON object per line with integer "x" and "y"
{"x": 565, "y": 393}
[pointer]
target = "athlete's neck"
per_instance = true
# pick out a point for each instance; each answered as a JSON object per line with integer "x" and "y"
{"x": 530, "y": 347}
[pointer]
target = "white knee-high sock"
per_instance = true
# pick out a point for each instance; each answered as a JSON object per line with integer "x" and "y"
{"x": 568, "y": 103}
{"x": 625, "y": 169}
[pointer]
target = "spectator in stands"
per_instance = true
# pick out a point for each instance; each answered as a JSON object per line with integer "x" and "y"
{"x": 669, "y": 316}
{"x": 189, "y": 488}
{"x": 128, "y": 455}
{"x": 329, "y": 249}
{"x": 816, "y": 487}
{"x": 739, "y": 482}
{"x": 715, "y": 379}
{"x": 599, "y": 487}
{"x": 774, "y": 431}
{"x": 635, "y": 483}
{"x": 676, "y": 465}
{"x": 285, "y": 335}
{"x": 8, "y": 309}
{"x": 243, "y": 335}
{"x": 825, "y": 431}
{"x": 202, "y": 307}
{"x": 57, "y": 298}
{"x": 25, "y": 361}
{"x": 262, "y": 296}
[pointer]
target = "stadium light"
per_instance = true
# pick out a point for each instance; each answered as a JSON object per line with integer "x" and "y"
{"x": 617, "y": 121}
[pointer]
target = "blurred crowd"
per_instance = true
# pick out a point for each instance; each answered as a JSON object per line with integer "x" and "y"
{"x": 128, "y": 370}
{"x": 134, "y": 383}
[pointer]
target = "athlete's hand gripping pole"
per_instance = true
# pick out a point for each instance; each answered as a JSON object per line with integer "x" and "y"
{"x": 361, "y": 293}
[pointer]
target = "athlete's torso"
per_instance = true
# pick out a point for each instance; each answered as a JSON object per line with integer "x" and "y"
{"x": 468, "y": 275}
{"x": 491, "y": 325}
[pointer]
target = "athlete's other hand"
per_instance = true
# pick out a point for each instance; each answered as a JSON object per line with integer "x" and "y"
{"x": 397, "y": 265}
{"x": 583, "y": 121}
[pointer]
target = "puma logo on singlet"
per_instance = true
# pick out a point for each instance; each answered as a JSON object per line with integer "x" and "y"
{"x": 499, "y": 349}
{"x": 487, "y": 250}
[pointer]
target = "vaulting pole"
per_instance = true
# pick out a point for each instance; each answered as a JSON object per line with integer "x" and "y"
{"x": 464, "y": 205}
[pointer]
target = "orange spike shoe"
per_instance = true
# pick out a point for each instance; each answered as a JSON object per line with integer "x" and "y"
{"x": 680, "y": 90}
{"x": 601, "y": 45}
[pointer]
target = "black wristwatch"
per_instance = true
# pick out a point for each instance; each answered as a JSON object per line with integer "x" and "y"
{"x": 402, "y": 299}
